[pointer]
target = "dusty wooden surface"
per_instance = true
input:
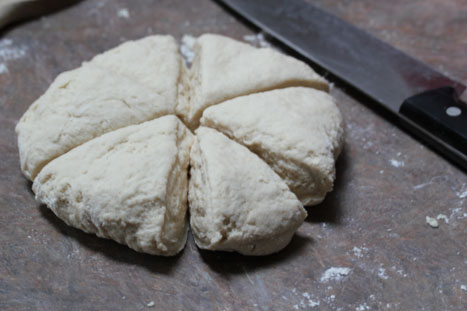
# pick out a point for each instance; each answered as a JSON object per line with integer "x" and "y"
{"x": 373, "y": 223}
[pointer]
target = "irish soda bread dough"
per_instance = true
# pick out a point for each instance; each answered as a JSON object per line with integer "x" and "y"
{"x": 108, "y": 154}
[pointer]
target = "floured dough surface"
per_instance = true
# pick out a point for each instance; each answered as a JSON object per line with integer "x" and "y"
{"x": 297, "y": 131}
{"x": 237, "y": 202}
{"x": 129, "y": 185}
{"x": 224, "y": 68}
{"x": 152, "y": 61}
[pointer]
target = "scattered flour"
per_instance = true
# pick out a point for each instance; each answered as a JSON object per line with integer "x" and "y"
{"x": 443, "y": 217}
{"x": 258, "y": 40}
{"x": 310, "y": 302}
{"x": 382, "y": 273}
{"x": 397, "y": 163}
{"x": 150, "y": 304}
{"x": 456, "y": 213}
{"x": 420, "y": 186}
{"x": 432, "y": 222}
{"x": 362, "y": 307}
{"x": 123, "y": 13}
{"x": 3, "y": 68}
{"x": 186, "y": 48}
{"x": 335, "y": 273}
{"x": 463, "y": 195}
{"x": 9, "y": 52}
{"x": 358, "y": 252}
{"x": 330, "y": 299}
{"x": 399, "y": 271}
{"x": 435, "y": 179}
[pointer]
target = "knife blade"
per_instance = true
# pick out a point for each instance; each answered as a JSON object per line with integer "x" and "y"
{"x": 425, "y": 102}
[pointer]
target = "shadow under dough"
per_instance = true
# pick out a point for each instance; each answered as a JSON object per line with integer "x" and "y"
{"x": 331, "y": 209}
{"x": 226, "y": 263}
{"x": 111, "y": 249}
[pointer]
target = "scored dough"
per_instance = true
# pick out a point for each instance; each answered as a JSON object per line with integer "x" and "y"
{"x": 129, "y": 185}
{"x": 152, "y": 61}
{"x": 224, "y": 68}
{"x": 79, "y": 105}
{"x": 297, "y": 131}
{"x": 106, "y": 158}
{"x": 237, "y": 202}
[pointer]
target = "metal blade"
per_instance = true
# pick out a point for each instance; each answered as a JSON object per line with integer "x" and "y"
{"x": 365, "y": 62}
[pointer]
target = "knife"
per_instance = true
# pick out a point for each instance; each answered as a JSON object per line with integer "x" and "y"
{"x": 13, "y": 11}
{"x": 424, "y": 101}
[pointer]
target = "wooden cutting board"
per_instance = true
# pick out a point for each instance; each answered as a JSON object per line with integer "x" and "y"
{"x": 367, "y": 247}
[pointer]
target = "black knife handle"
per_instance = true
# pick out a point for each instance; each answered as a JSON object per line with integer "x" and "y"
{"x": 440, "y": 112}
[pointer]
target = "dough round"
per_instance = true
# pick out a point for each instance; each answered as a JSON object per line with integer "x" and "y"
{"x": 108, "y": 153}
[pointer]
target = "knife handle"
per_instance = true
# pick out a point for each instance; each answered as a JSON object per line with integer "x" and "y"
{"x": 440, "y": 112}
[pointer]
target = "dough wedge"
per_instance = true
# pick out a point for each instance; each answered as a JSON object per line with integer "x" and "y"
{"x": 238, "y": 203}
{"x": 129, "y": 185}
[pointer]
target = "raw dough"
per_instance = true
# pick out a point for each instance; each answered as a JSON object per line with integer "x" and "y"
{"x": 224, "y": 68}
{"x": 297, "y": 131}
{"x": 237, "y": 202}
{"x": 129, "y": 185}
{"x": 106, "y": 158}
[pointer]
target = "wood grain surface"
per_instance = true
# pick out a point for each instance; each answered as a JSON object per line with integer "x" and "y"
{"x": 372, "y": 224}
